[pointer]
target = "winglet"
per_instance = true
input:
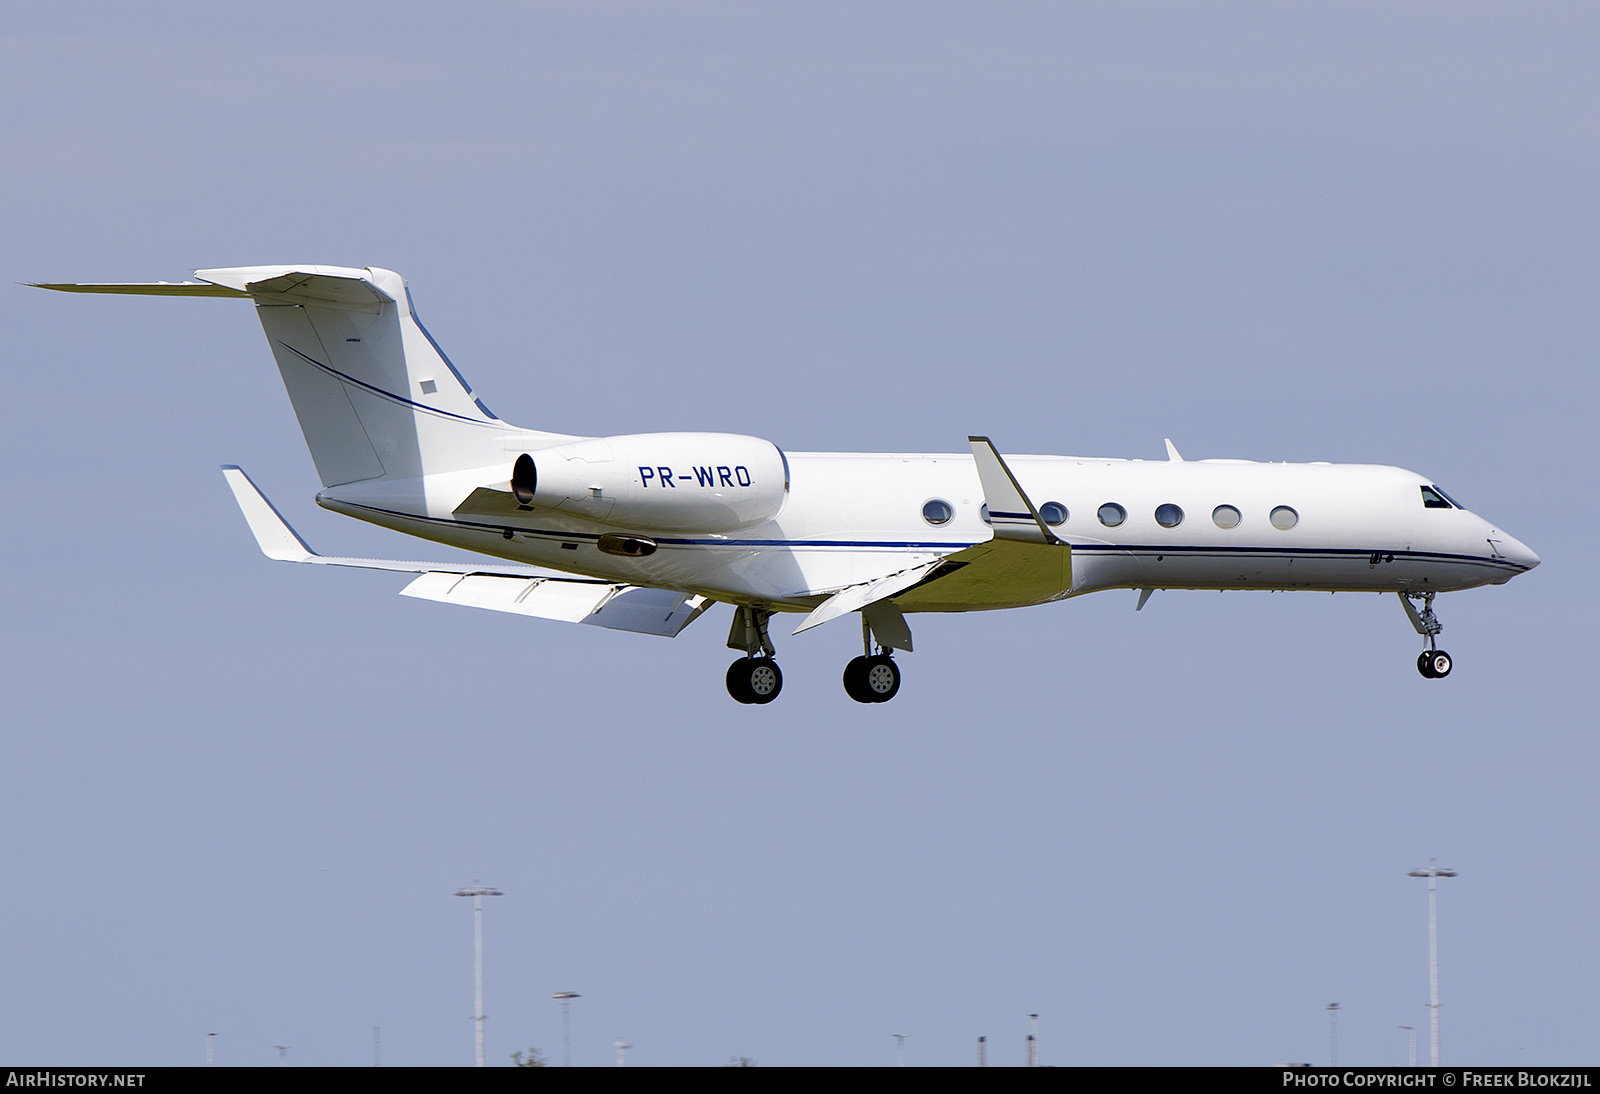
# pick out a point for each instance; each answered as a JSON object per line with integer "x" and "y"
{"x": 1172, "y": 452}
{"x": 277, "y": 540}
{"x": 1011, "y": 514}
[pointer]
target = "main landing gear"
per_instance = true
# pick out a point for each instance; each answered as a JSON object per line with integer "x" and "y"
{"x": 871, "y": 678}
{"x": 1432, "y": 662}
{"x": 754, "y": 678}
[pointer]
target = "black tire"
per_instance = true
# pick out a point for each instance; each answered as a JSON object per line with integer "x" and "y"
{"x": 855, "y": 680}
{"x": 739, "y": 682}
{"x": 1440, "y": 663}
{"x": 1424, "y": 664}
{"x": 754, "y": 680}
{"x": 882, "y": 678}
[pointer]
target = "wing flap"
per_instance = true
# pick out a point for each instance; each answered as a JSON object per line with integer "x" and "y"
{"x": 634, "y": 608}
{"x": 568, "y": 601}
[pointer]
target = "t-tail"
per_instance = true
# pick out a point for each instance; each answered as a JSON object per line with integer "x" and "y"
{"x": 376, "y": 397}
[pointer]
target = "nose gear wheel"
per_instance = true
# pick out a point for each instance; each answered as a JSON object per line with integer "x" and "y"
{"x": 1434, "y": 664}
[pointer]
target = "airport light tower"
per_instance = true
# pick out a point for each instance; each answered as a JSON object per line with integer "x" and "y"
{"x": 565, "y": 998}
{"x": 477, "y": 893}
{"x": 1433, "y": 873}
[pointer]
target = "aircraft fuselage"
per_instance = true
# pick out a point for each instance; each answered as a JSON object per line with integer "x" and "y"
{"x": 851, "y": 517}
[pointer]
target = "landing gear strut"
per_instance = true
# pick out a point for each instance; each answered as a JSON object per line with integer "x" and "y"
{"x": 872, "y": 678}
{"x": 755, "y": 677}
{"x": 1433, "y": 662}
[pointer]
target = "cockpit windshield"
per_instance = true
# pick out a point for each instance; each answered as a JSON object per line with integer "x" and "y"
{"x": 1435, "y": 498}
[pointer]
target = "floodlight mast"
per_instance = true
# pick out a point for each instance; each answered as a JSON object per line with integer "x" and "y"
{"x": 565, "y": 998}
{"x": 477, "y": 893}
{"x": 1433, "y": 872}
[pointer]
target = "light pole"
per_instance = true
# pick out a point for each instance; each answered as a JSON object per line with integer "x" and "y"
{"x": 1433, "y": 873}
{"x": 1033, "y": 1040}
{"x": 621, "y": 1046}
{"x": 565, "y": 998}
{"x": 1333, "y": 1034}
{"x": 1412, "y": 1037}
{"x": 477, "y": 893}
{"x": 899, "y": 1048}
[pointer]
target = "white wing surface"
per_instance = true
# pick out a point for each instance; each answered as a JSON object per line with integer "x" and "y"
{"x": 500, "y": 587}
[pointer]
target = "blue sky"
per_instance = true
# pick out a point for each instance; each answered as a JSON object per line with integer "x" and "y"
{"x": 238, "y": 795}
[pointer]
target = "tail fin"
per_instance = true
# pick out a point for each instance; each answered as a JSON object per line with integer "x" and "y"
{"x": 375, "y": 395}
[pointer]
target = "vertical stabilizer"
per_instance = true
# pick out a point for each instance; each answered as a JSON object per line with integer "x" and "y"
{"x": 375, "y": 396}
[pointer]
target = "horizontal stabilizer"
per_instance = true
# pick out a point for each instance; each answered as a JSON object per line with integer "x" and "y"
{"x": 857, "y": 597}
{"x": 320, "y": 286}
{"x": 321, "y": 290}
{"x": 147, "y": 288}
{"x": 1011, "y": 514}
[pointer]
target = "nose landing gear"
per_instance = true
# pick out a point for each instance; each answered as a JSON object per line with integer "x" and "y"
{"x": 1433, "y": 663}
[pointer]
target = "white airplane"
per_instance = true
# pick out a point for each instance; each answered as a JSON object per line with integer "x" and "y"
{"x": 645, "y": 532}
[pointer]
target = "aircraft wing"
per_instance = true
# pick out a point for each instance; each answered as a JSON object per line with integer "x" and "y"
{"x": 501, "y": 587}
{"x": 1024, "y": 563}
{"x": 1000, "y": 572}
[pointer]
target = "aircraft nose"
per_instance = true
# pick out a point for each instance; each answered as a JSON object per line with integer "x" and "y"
{"x": 1515, "y": 550}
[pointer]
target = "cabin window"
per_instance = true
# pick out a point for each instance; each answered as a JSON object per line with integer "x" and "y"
{"x": 1433, "y": 499}
{"x": 1054, "y": 513}
{"x": 1111, "y": 514}
{"x": 1284, "y": 518}
{"x": 1225, "y": 516}
{"x": 1169, "y": 515}
{"x": 937, "y": 511}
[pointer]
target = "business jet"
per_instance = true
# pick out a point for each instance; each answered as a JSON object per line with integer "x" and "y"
{"x": 645, "y": 532}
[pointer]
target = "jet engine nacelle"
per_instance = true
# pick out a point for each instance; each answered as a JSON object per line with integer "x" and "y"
{"x": 665, "y": 482}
